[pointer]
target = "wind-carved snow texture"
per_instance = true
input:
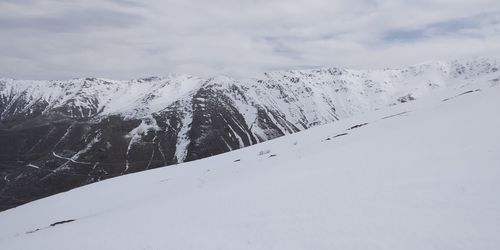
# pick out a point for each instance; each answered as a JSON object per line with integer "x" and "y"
{"x": 85, "y": 130}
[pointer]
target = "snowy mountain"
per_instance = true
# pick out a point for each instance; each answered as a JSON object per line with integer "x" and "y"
{"x": 58, "y": 135}
{"x": 420, "y": 175}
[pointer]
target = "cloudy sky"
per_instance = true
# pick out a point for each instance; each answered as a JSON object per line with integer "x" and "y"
{"x": 122, "y": 39}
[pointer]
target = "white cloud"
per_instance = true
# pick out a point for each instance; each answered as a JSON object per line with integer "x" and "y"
{"x": 127, "y": 39}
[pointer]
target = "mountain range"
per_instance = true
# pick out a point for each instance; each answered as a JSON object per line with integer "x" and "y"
{"x": 423, "y": 174}
{"x": 59, "y": 135}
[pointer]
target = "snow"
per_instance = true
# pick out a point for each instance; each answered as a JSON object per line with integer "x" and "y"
{"x": 131, "y": 99}
{"x": 181, "y": 147}
{"x": 33, "y": 166}
{"x": 420, "y": 175}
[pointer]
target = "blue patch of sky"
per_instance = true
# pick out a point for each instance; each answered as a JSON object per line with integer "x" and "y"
{"x": 452, "y": 26}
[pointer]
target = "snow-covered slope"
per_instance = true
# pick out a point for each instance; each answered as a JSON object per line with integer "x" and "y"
{"x": 57, "y": 135}
{"x": 420, "y": 175}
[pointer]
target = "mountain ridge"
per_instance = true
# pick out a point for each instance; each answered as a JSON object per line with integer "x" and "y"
{"x": 71, "y": 133}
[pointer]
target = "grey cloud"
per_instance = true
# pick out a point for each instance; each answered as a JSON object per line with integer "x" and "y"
{"x": 73, "y": 21}
{"x": 18, "y": 2}
{"x": 128, "y": 3}
{"x": 280, "y": 47}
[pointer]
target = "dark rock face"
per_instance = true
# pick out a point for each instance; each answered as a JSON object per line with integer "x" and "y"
{"x": 49, "y": 156}
{"x": 216, "y": 125}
